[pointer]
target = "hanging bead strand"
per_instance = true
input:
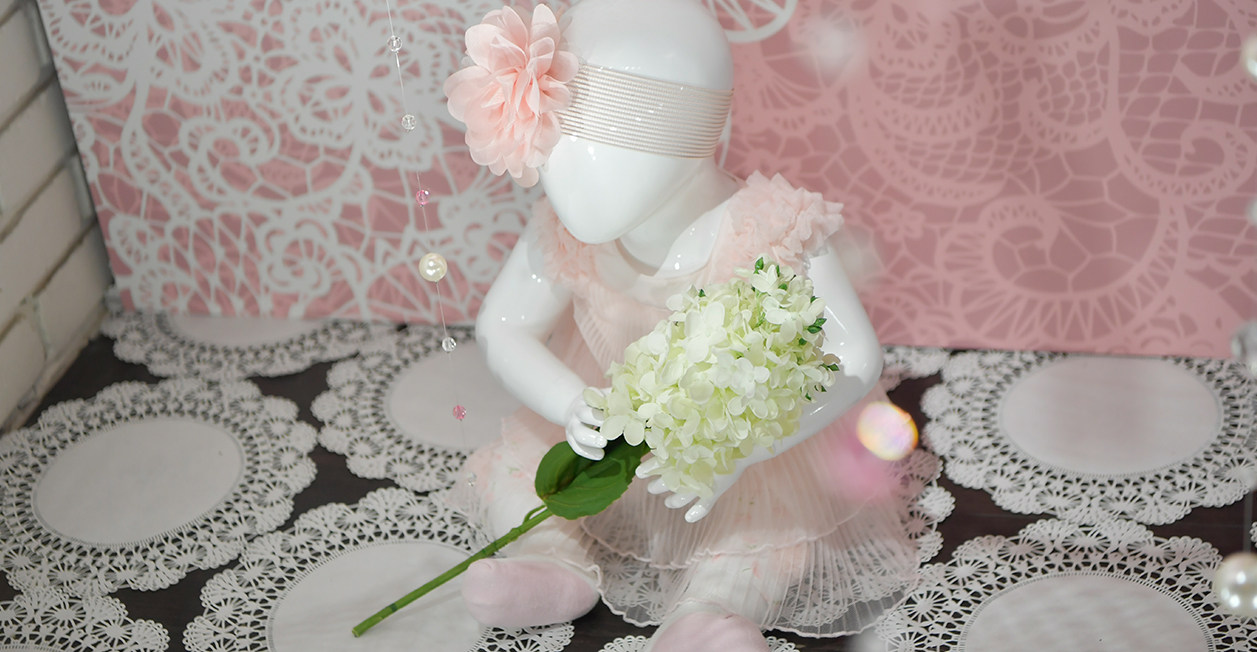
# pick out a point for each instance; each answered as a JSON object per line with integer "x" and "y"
{"x": 432, "y": 267}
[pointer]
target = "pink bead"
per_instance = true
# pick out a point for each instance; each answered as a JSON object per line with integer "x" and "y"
{"x": 460, "y": 412}
{"x": 422, "y": 197}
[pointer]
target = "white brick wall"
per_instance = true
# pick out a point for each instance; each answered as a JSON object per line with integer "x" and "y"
{"x": 53, "y": 265}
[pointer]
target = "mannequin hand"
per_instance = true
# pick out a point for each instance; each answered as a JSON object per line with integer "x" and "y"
{"x": 703, "y": 506}
{"x": 580, "y": 423}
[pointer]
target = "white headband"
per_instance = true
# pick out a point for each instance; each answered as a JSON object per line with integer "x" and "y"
{"x": 522, "y": 90}
{"x": 648, "y": 115}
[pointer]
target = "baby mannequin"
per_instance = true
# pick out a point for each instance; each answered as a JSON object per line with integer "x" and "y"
{"x": 780, "y": 544}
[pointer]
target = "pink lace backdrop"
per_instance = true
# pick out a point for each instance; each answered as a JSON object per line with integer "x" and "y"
{"x": 1046, "y": 174}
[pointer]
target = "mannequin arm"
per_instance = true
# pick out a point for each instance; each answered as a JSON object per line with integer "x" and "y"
{"x": 518, "y": 314}
{"x": 848, "y": 335}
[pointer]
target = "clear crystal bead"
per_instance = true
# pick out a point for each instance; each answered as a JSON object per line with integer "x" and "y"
{"x": 394, "y": 43}
{"x": 409, "y": 122}
{"x": 471, "y": 479}
{"x": 448, "y": 345}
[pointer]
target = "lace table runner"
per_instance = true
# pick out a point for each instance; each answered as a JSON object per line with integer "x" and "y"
{"x": 231, "y": 348}
{"x": 1063, "y": 587}
{"x": 303, "y": 589}
{"x": 142, "y": 483}
{"x": 1094, "y": 438}
{"x": 46, "y": 618}
{"x": 389, "y": 410}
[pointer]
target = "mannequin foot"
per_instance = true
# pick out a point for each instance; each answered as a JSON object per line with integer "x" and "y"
{"x": 701, "y": 628}
{"x": 526, "y": 592}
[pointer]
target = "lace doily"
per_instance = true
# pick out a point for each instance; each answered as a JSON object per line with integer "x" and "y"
{"x": 638, "y": 643}
{"x": 1095, "y": 438}
{"x": 46, "y": 618}
{"x": 900, "y": 362}
{"x": 343, "y": 563}
{"x": 389, "y": 409}
{"x": 1063, "y": 586}
{"x": 923, "y": 504}
{"x": 140, "y": 484}
{"x": 232, "y": 348}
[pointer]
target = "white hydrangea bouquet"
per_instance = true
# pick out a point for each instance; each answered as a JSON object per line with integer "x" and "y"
{"x": 729, "y": 370}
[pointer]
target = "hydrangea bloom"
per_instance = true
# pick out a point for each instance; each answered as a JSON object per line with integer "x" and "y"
{"x": 730, "y": 369}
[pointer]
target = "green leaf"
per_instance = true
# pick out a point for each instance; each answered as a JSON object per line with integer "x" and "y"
{"x": 816, "y": 325}
{"x": 701, "y": 293}
{"x": 572, "y": 486}
{"x": 759, "y": 264}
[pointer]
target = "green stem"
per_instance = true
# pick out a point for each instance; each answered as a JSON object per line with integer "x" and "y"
{"x": 531, "y": 520}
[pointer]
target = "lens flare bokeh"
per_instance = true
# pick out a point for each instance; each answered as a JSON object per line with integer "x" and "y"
{"x": 887, "y": 431}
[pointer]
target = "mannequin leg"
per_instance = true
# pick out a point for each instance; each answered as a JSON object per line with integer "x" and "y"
{"x": 724, "y": 601}
{"x": 541, "y": 579}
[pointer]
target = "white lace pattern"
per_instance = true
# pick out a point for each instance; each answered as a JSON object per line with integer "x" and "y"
{"x": 274, "y": 467}
{"x": 355, "y": 410}
{"x": 638, "y": 643}
{"x": 901, "y": 362}
{"x": 239, "y": 602}
{"x": 50, "y": 619}
{"x": 151, "y": 339}
{"x": 941, "y": 613}
{"x": 967, "y": 424}
{"x": 640, "y": 592}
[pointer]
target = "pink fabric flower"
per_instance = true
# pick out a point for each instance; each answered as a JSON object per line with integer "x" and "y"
{"x": 509, "y": 97}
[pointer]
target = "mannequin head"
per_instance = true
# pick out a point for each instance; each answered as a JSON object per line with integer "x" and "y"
{"x": 600, "y": 191}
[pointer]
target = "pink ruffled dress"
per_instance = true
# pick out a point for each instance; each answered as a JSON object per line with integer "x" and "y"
{"x": 795, "y": 545}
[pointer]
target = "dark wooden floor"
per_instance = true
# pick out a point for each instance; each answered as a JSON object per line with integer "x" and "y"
{"x": 975, "y": 514}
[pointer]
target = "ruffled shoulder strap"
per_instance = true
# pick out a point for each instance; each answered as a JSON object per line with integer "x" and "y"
{"x": 770, "y": 217}
{"x": 568, "y": 261}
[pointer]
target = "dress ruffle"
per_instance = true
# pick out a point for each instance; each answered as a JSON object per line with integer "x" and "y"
{"x": 797, "y": 544}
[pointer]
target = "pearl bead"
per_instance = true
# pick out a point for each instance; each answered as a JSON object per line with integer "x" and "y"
{"x": 1235, "y": 584}
{"x": 448, "y": 345}
{"x": 432, "y": 267}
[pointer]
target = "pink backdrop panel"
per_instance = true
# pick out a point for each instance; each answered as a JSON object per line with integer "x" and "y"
{"x": 1047, "y": 174}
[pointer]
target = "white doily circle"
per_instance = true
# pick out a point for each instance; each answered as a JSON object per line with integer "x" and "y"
{"x": 1096, "y": 581}
{"x": 232, "y": 348}
{"x": 641, "y": 591}
{"x": 1120, "y": 470}
{"x": 240, "y": 603}
{"x": 902, "y": 362}
{"x": 638, "y": 643}
{"x": 155, "y": 502}
{"x": 46, "y": 618}
{"x": 389, "y": 410}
